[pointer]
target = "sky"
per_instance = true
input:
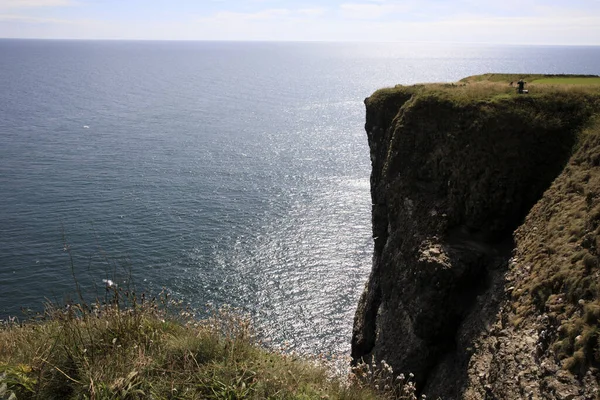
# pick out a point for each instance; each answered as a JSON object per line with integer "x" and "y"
{"x": 558, "y": 22}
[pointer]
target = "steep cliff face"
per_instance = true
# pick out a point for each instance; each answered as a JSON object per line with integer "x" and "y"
{"x": 453, "y": 295}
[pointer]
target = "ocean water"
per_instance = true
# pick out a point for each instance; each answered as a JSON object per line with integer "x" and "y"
{"x": 222, "y": 173}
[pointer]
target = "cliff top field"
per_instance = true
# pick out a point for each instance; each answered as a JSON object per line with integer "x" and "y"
{"x": 500, "y": 86}
{"x": 535, "y": 78}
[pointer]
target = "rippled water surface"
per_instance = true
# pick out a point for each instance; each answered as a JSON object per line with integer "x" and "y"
{"x": 230, "y": 173}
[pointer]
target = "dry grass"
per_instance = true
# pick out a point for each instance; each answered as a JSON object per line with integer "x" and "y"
{"x": 108, "y": 351}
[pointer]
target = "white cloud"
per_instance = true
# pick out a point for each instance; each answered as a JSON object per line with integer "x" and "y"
{"x": 13, "y": 4}
{"x": 29, "y": 19}
{"x": 568, "y": 30}
{"x": 374, "y": 11}
{"x": 315, "y": 12}
{"x": 274, "y": 13}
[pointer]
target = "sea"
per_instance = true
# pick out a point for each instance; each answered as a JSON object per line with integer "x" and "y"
{"x": 221, "y": 173}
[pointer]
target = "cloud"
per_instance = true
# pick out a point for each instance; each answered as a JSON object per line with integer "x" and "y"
{"x": 275, "y": 13}
{"x": 316, "y": 12}
{"x": 267, "y": 24}
{"x": 408, "y": 20}
{"x": 546, "y": 29}
{"x": 14, "y": 4}
{"x": 354, "y": 20}
{"x": 375, "y": 11}
{"x": 36, "y": 20}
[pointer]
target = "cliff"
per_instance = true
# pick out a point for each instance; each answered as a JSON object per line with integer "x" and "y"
{"x": 486, "y": 215}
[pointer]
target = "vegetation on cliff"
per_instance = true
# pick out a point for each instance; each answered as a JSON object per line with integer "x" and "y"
{"x": 556, "y": 269}
{"x": 134, "y": 348}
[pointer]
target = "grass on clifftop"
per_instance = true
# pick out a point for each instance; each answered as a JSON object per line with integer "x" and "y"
{"x": 144, "y": 351}
{"x": 558, "y": 79}
{"x": 569, "y": 81}
{"x": 498, "y": 88}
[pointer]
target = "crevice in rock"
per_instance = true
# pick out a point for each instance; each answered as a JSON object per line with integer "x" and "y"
{"x": 363, "y": 339}
{"x": 365, "y": 324}
{"x": 474, "y": 302}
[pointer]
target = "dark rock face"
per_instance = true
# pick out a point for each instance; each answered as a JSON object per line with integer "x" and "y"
{"x": 544, "y": 342}
{"x": 451, "y": 181}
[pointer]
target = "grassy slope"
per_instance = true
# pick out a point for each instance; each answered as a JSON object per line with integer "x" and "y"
{"x": 140, "y": 352}
{"x": 557, "y": 273}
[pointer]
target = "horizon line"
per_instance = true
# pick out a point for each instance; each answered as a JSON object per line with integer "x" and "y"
{"x": 297, "y": 41}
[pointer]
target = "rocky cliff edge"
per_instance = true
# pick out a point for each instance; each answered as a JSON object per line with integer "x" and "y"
{"x": 486, "y": 221}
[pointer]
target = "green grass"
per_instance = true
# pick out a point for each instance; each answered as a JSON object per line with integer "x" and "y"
{"x": 569, "y": 81}
{"x": 146, "y": 350}
{"x": 507, "y": 78}
{"x": 501, "y": 78}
